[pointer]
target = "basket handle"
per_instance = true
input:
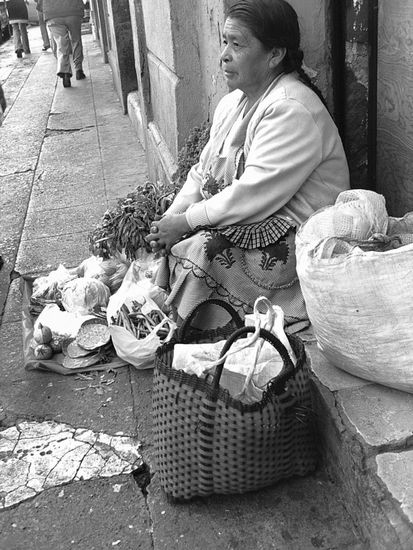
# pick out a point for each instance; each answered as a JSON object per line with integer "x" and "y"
{"x": 288, "y": 367}
{"x": 182, "y": 332}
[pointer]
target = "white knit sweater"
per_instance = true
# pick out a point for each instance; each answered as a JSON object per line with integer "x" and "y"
{"x": 294, "y": 160}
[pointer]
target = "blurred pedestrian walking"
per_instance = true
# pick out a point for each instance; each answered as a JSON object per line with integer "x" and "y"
{"x": 18, "y": 19}
{"x": 64, "y": 22}
{"x": 47, "y": 43}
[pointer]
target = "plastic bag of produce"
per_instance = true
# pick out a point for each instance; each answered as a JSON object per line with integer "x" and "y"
{"x": 47, "y": 289}
{"x": 46, "y": 335}
{"x": 109, "y": 271}
{"x": 84, "y": 294}
{"x": 359, "y": 298}
{"x": 137, "y": 324}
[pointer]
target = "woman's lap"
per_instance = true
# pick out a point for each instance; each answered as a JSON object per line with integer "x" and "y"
{"x": 207, "y": 265}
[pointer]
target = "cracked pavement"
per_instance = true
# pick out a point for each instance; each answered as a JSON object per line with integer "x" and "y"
{"x": 35, "y": 456}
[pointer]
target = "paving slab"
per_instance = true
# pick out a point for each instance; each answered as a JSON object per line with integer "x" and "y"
{"x": 282, "y": 517}
{"x": 87, "y": 515}
{"x": 36, "y": 456}
{"x": 396, "y": 471}
{"x": 381, "y": 416}
{"x": 329, "y": 375}
{"x": 14, "y": 196}
{"x": 61, "y": 221}
{"x": 40, "y": 256}
{"x": 22, "y": 131}
{"x": 13, "y": 308}
{"x": 98, "y": 400}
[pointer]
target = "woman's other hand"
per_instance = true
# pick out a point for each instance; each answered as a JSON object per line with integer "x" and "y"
{"x": 167, "y": 231}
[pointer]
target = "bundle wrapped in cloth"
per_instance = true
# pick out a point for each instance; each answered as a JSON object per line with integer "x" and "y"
{"x": 250, "y": 364}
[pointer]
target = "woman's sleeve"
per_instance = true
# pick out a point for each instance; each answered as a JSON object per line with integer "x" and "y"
{"x": 286, "y": 148}
{"x": 190, "y": 192}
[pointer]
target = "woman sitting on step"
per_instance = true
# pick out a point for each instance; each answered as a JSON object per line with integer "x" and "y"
{"x": 273, "y": 158}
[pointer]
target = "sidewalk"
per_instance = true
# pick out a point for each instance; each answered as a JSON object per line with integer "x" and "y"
{"x": 75, "y": 451}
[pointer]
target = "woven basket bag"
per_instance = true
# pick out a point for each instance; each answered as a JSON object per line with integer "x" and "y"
{"x": 207, "y": 442}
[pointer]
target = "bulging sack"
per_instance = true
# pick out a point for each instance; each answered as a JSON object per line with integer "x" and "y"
{"x": 360, "y": 303}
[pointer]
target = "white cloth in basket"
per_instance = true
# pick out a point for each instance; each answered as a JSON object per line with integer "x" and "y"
{"x": 250, "y": 364}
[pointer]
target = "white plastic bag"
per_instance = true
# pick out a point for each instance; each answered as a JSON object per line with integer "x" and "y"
{"x": 136, "y": 287}
{"x": 48, "y": 287}
{"x": 272, "y": 320}
{"x": 250, "y": 364}
{"x": 259, "y": 363}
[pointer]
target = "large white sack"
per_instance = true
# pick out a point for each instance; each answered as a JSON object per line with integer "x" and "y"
{"x": 361, "y": 305}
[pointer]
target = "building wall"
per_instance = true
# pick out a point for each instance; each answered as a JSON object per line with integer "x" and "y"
{"x": 313, "y": 16}
{"x": 395, "y": 105}
{"x": 356, "y": 101}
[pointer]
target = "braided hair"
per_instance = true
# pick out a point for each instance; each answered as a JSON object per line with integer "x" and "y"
{"x": 275, "y": 24}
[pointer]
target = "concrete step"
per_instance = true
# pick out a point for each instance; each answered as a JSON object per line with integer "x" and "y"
{"x": 367, "y": 448}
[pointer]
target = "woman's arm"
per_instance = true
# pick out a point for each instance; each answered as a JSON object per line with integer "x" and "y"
{"x": 190, "y": 192}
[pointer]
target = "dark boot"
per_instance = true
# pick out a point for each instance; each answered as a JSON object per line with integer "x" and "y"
{"x": 66, "y": 80}
{"x": 80, "y": 75}
{"x": 19, "y": 53}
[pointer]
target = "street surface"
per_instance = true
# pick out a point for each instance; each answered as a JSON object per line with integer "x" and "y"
{"x": 77, "y": 467}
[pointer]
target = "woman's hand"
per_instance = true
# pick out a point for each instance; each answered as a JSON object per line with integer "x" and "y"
{"x": 167, "y": 231}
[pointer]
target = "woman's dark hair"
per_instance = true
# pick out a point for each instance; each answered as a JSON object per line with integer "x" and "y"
{"x": 275, "y": 24}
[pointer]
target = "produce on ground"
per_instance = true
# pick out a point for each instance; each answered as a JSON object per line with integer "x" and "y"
{"x": 42, "y": 334}
{"x": 82, "y": 295}
{"x": 93, "y": 334}
{"x": 138, "y": 323}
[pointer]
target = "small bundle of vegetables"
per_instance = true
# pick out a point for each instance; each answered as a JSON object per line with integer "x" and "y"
{"x": 138, "y": 323}
{"x": 123, "y": 228}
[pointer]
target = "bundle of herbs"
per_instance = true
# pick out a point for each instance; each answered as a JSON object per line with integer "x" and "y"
{"x": 123, "y": 228}
{"x": 189, "y": 155}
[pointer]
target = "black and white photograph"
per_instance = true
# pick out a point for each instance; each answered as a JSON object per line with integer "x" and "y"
{"x": 206, "y": 235}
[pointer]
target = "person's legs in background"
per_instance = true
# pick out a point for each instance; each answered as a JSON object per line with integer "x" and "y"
{"x": 24, "y": 37}
{"x": 74, "y": 24}
{"x": 43, "y": 30}
{"x": 53, "y": 45}
{"x": 17, "y": 39}
{"x": 60, "y": 35}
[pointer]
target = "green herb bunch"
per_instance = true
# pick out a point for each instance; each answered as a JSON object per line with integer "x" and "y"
{"x": 123, "y": 228}
{"x": 191, "y": 151}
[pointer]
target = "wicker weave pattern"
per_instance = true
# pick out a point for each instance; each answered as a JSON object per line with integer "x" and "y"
{"x": 210, "y": 443}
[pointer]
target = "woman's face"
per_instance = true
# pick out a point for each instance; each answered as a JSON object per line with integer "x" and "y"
{"x": 244, "y": 60}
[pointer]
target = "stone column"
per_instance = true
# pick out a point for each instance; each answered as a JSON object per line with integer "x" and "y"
{"x": 175, "y": 80}
{"x": 120, "y": 53}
